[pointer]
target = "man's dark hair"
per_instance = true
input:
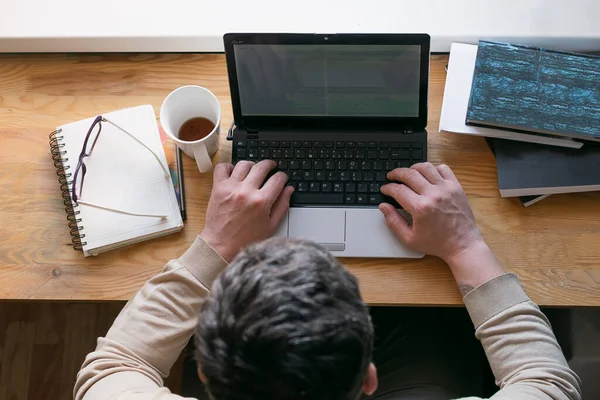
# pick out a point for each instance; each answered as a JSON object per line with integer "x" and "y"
{"x": 284, "y": 321}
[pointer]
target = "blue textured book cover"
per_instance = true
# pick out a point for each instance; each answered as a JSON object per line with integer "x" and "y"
{"x": 536, "y": 90}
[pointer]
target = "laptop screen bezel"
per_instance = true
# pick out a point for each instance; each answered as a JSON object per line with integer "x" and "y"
{"x": 270, "y": 121}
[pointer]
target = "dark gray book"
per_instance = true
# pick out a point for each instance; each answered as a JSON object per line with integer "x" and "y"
{"x": 536, "y": 90}
{"x": 527, "y": 201}
{"x": 526, "y": 169}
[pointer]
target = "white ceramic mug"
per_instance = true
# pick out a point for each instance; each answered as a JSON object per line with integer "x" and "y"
{"x": 183, "y": 104}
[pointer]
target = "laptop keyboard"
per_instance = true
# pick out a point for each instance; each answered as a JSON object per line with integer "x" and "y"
{"x": 346, "y": 173}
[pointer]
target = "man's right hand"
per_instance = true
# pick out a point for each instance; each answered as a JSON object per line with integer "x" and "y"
{"x": 443, "y": 224}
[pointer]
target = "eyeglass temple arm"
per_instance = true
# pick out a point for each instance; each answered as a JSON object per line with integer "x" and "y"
{"x": 142, "y": 143}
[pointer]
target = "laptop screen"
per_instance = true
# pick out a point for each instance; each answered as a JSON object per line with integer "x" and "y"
{"x": 329, "y": 80}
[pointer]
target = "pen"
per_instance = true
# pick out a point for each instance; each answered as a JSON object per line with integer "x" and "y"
{"x": 180, "y": 181}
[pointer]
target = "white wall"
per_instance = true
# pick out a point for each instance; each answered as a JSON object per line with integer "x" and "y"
{"x": 197, "y": 25}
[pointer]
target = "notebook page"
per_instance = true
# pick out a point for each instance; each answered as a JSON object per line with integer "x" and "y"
{"x": 122, "y": 174}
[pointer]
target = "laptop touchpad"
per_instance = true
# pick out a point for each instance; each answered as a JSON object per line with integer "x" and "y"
{"x": 321, "y": 225}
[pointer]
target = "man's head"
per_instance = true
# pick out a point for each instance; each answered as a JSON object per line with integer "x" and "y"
{"x": 285, "y": 321}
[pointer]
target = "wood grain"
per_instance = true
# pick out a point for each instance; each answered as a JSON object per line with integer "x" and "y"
{"x": 552, "y": 246}
{"x": 42, "y": 345}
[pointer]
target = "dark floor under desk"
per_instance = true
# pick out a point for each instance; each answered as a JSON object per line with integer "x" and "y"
{"x": 450, "y": 331}
{"x": 45, "y": 343}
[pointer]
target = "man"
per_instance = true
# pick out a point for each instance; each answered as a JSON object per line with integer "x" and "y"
{"x": 285, "y": 320}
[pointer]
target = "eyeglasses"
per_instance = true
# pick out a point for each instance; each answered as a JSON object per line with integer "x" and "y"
{"x": 85, "y": 152}
{"x": 89, "y": 143}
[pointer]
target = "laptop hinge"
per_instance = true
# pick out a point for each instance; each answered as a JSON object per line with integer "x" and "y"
{"x": 230, "y": 131}
{"x": 252, "y": 132}
{"x": 412, "y": 129}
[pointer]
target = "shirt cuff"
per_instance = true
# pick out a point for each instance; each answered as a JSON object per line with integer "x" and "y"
{"x": 203, "y": 262}
{"x": 493, "y": 297}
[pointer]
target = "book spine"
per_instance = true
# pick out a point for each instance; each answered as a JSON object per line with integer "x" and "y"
{"x": 60, "y": 158}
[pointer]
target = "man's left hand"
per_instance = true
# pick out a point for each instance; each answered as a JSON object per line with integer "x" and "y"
{"x": 242, "y": 210}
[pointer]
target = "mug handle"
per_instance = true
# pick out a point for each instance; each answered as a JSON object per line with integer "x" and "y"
{"x": 202, "y": 158}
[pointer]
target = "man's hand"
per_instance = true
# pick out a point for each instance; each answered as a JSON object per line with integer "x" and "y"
{"x": 242, "y": 210}
{"x": 442, "y": 222}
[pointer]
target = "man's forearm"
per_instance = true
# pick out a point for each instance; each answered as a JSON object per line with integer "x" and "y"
{"x": 150, "y": 332}
{"x": 525, "y": 357}
{"x": 474, "y": 267}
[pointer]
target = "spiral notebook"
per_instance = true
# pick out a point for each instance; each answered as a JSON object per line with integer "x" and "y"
{"x": 127, "y": 197}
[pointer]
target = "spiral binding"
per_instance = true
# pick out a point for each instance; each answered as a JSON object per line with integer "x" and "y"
{"x": 56, "y": 148}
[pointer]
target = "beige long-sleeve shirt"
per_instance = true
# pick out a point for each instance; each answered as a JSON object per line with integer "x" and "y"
{"x": 145, "y": 340}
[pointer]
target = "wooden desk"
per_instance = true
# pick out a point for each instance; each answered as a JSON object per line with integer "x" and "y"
{"x": 553, "y": 246}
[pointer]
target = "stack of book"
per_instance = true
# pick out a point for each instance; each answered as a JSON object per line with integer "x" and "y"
{"x": 539, "y": 110}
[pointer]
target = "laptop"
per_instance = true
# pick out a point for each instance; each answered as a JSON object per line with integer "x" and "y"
{"x": 337, "y": 112}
